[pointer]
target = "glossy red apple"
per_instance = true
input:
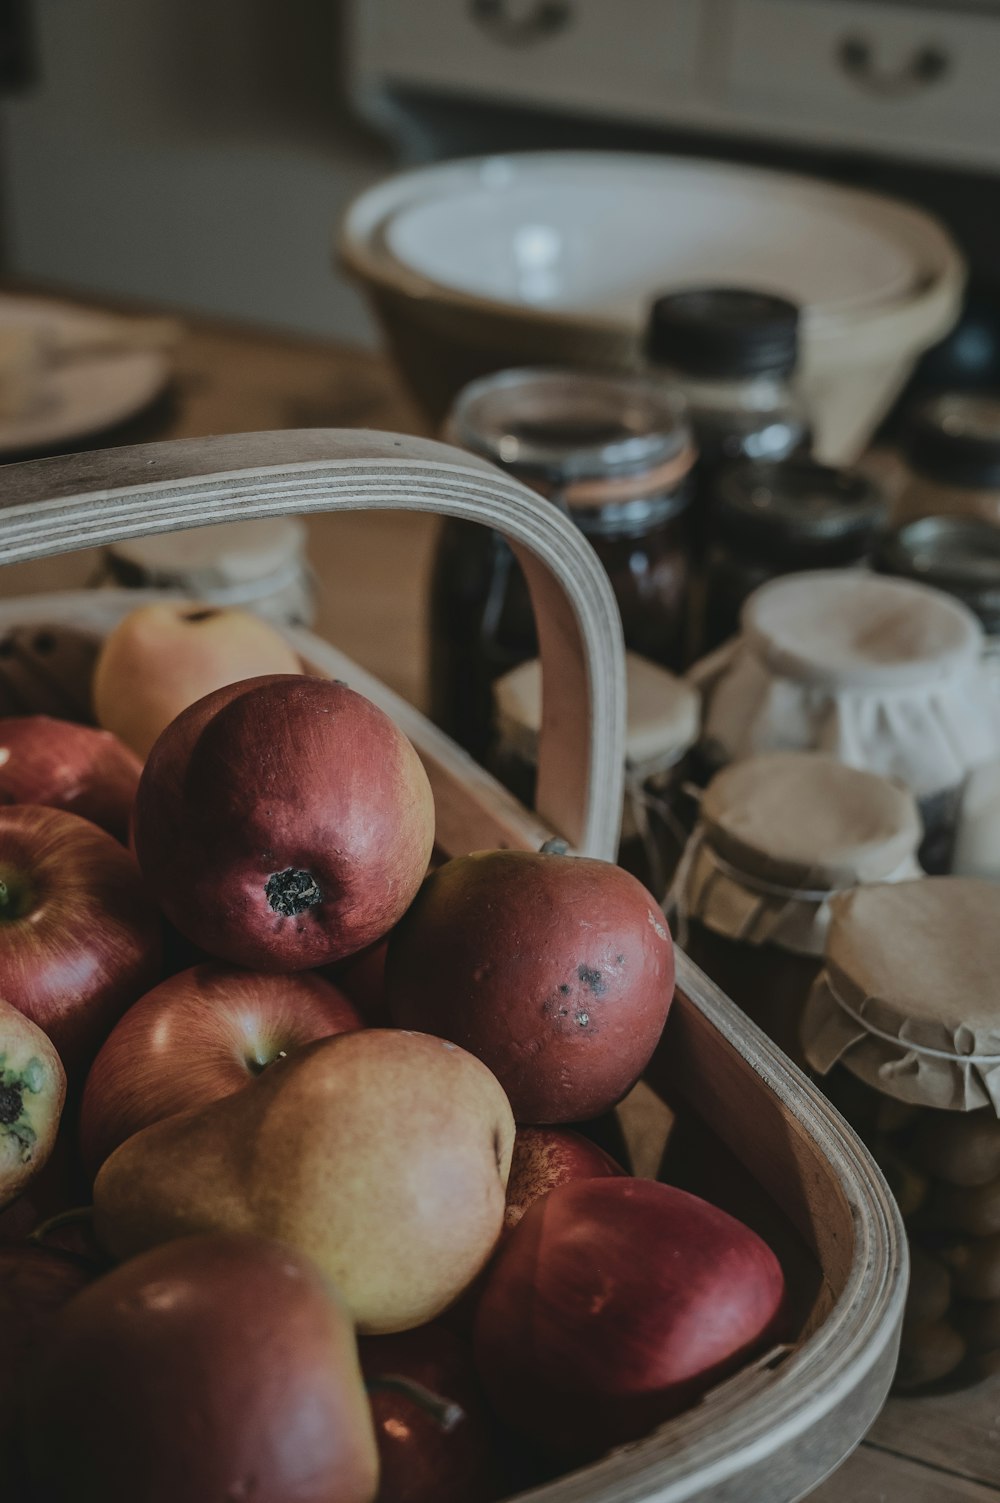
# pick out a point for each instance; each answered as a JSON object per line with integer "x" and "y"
{"x": 80, "y": 938}
{"x": 201, "y": 1035}
{"x": 557, "y": 971}
{"x": 214, "y": 1368}
{"x": 613, "y": 1305}
{"x": 547, "y": 1157}
{"x": 35, "y": 1283}
{"x": 66, "y": 766}
{"x": 283, "y": 823}
{"x": 420, "y": 1461}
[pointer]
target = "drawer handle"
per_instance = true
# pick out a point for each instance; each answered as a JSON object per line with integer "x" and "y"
{"x": 544, "y": 19}
{"x": 927, "y": 66}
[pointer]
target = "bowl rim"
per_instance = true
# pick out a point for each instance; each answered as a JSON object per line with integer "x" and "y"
{"x": 362, "y": 250}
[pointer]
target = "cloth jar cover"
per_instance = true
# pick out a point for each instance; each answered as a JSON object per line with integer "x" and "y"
{"x": 778, "y": 835}
{"x": 880, "y": 673}
{"x": 908, "y": 999}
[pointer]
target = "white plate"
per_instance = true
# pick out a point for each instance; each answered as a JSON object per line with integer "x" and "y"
{"x": 606, "y": 236}
{"x": 81, "y": 395}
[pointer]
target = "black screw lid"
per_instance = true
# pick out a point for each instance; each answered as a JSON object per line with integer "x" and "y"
{"x": 960, "y": 555}
{"x": 955, "y": 439}
{"x": 798, "y": 506}
{"x": 724, "y": 332}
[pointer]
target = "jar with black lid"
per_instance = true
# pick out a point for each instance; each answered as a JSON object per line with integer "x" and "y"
{"x": 615, "y": 453}
{"x": 733, "y": 353}
{"x": 772, "y": 519}
{"x": 953, "y": 455}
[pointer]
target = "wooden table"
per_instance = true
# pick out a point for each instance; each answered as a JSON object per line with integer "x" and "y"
{"x": 372, "y": 570}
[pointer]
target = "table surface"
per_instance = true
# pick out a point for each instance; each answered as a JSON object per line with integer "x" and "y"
{"x": 372, "y": 571}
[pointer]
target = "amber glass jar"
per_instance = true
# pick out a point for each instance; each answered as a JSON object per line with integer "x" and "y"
{"x": 612, "y": 451}
{"x": 771, "y": 519}
{"x": 903, "y": 1028}
{"x": 778, "y": 834}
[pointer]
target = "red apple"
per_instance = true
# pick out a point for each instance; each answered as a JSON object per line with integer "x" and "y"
{"x": 35, "y": 1283}
{"x": 79, "y": 936}
{"x": 419, "y": 1460}
{"x": 66, "y": 766}
{"x": 557, "y": 971}
{"x": 546, "y": 1157}
{"x": 201, "y": 1035}
{"x": 283, "y": 823}
{"x": 613, "y": 1305}
{"x": 213, "y": 1368}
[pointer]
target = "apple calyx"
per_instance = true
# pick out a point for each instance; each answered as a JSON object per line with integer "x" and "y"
{"x": 444, "y": 1412}
{"x": 13, "y": 1085}
{"x": 291, "y": 892}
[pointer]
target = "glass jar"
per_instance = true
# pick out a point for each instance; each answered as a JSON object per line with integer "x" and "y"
{"x": 259, "y": 566}
{"x": 615, "y": 453}
{"x": 903, "y": 1028}
{"x": 777, "y": 836}
{"x": 881, "y": 673}
{"x": 953, "y": 455}
{"x": 772, "y": 519}
{"x": 960, "y": 555}
{"x": 733, "y": 353}
{"x": 661, "y": 728}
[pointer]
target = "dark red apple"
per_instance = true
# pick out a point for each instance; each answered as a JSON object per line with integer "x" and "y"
{"x": 201, "y": 1035}
{"x": 557, "y": 971}
{"x": 35, "y": 1283}
{"x": 419, "y": 1460}
{"x": 66, "y": 766}
{"x": 215, "y": 1367}
{"x": 613, "y": 1305}
{"x": 80, "y": 939}
{"x": 547, "y": 1157}
{"x": 283, "y": 823}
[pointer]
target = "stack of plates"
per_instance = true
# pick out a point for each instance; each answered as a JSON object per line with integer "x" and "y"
{"x": 556, "y": 256}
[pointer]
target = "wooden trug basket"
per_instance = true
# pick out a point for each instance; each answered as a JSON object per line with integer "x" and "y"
{"x": 773, "y": 1432}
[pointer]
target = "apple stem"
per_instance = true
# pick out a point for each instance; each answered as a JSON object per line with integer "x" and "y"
{"x": 445, "y": 1412}
{"x": 75, "y": 1217}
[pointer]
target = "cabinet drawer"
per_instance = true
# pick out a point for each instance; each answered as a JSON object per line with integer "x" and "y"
{"x": 583, "y": 54}
{"x": 915, "y": 77}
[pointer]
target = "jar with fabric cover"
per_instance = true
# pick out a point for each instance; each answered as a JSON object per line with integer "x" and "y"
{"x": 882, "y": 674}
{"x": 778, "y": 835}
{"x": 258, "y": 565}
{"x": 614, "y": 452}
{"x": 952, "y": 454}
{"x": 903, "y": 1028}
{"x": 661, "y": 728}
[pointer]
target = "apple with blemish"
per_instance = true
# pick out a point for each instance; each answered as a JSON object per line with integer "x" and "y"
{"x": 201, "y": 1035}
{"x": 161, "y": 658}
{"x": 547, "y": 1157}
{"x": 32, "y": 1093}
{"x": 557, "y": 971}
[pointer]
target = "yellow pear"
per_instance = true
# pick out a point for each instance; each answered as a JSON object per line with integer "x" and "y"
{"x": 161, "y": 658}
{"x": 383, "y": 1155}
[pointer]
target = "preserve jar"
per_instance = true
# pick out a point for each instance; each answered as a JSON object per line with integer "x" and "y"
{"x": 612, "y": 451}
{"x": 773, "y": 519}
{"x": 733, "y": 353}
{"x": 952, "y": 452}
{"x": 960, "y": 555}
{"x": 880, "y": 673}
{"x": 661, "y": 728}
{"x": 258, "y": 565}
{"x": 777, "y": 836}
{"x": 903, "y": 1028}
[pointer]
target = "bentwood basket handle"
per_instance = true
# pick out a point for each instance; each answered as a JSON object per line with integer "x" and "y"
{"x": 52, "y": 506}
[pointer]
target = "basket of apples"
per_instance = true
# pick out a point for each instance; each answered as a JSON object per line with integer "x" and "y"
{"x": 310, "y": 1034}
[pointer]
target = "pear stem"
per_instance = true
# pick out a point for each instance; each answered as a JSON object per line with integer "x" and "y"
{"x": 444, "y": 1412}
{"x": 75, "y": 1217}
